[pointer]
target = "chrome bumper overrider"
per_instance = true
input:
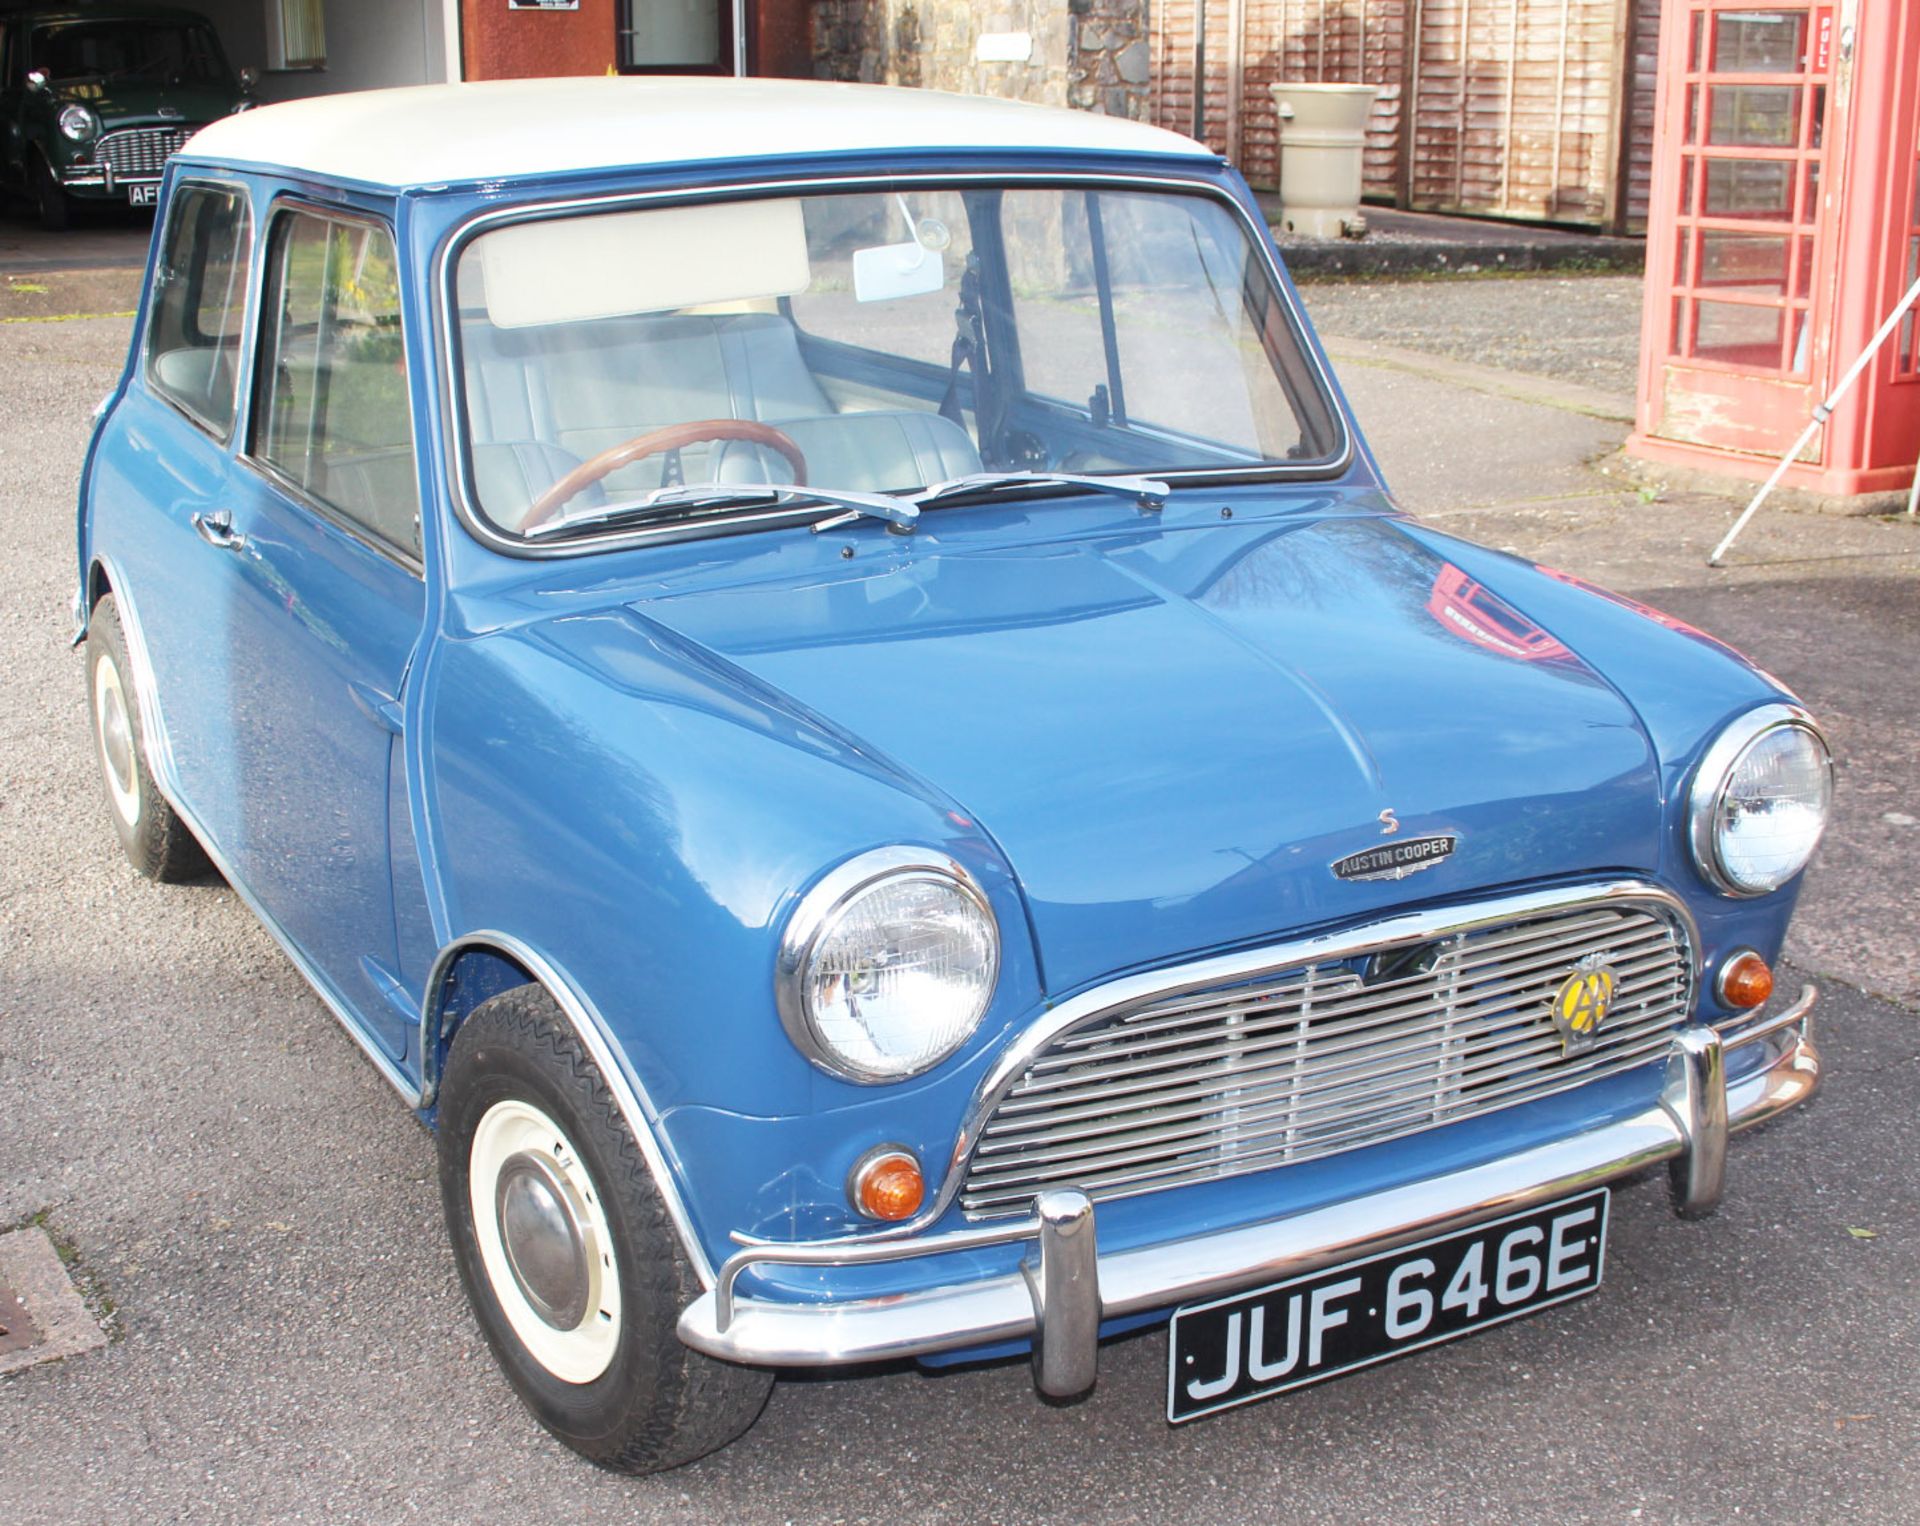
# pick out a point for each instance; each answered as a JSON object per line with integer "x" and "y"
{"x": 1066, "y": 1289}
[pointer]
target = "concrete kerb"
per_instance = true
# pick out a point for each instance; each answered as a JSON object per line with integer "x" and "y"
{"x": 1663, "y": 477}
{"x": 1346, "y": 259}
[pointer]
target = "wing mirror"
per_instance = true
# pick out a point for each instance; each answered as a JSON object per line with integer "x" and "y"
{"x": 249, "y": 77}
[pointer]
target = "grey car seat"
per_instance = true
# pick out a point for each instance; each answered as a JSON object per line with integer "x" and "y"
{"x": 541, "y": 400}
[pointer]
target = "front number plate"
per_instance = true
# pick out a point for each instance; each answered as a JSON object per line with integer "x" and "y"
{"x": 143, "y": 195}
{"x": 1235, "y": 1350}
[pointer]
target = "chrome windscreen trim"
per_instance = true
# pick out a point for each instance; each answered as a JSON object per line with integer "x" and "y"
{"x": 453, "y": 411}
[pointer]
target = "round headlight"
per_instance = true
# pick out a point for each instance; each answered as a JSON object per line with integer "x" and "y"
{"x": 78, "y": 123}
{"x": 1760, "y": 800}
{"x": 887, "y": 965}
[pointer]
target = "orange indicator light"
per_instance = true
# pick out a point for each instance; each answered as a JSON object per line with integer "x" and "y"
{"x": 1746, "y": 981}
{"x": 887, "y": 1185}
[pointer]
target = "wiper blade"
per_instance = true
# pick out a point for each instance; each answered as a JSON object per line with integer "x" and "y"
{"x": 899, "y": 510}
{"x": 1148, "y": 492}
{"x": 663, "y": 501}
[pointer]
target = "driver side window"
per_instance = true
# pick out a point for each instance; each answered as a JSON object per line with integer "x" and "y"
{"x": 334, "y": 421}
{"x": 200, "y": 304}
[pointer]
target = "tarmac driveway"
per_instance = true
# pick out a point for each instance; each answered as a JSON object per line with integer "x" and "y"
{"x": 261, "y": 1214}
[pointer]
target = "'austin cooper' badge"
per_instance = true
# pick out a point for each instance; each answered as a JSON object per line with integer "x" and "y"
{"x": 1395, "y": 860}
{"x": 1582, "y": 1003}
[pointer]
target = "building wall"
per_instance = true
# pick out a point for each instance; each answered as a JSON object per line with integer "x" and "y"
{"x": 1087, "y": 53}
{"x": 370, "y": 44}
{"x": 497, "y": 43}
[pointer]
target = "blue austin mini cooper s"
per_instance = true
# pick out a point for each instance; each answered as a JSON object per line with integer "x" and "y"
{"x": 822, "y": 680}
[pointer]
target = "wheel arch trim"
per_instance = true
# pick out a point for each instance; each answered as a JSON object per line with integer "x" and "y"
{"x": 636, "y": 1108}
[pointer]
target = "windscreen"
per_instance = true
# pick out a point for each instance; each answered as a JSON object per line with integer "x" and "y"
{"x": 160, "y": 52}
{"x": 871, "y": 342}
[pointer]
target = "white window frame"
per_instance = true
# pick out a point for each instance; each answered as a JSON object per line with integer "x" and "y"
{"x": 296, "y": 28}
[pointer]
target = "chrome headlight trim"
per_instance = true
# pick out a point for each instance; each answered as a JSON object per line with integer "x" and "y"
{"x": 818, "y": 910}
{"x": 1708, "y": 791}
{"x": 79, "y": 123}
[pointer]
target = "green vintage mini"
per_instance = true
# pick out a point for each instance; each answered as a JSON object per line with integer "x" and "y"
{"x": 94, "y": 101}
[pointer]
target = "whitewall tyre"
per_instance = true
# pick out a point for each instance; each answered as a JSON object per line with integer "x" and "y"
{"x": 569, "y": 1258}
{"x": 156, "y": 841}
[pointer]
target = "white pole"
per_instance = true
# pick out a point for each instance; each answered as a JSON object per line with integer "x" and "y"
{"x": 1913, "y": 495}
{"x": 1820, "y": 416}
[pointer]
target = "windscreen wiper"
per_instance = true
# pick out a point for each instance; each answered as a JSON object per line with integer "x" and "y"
{"x": 1147, "y": 492}
{"x": 899, "y": 510}
{"x": 665, "y": 501}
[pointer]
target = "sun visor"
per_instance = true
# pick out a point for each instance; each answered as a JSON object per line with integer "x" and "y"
{"x": 567, "y": 270}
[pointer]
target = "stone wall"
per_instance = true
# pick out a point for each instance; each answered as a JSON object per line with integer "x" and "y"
{"x": 1107, "y": 65}
{"x": 1087, "y": 53}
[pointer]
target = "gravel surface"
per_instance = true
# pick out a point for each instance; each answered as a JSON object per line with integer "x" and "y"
{"x": 1579, "y": 328}
{"x": 291, "y": 1345}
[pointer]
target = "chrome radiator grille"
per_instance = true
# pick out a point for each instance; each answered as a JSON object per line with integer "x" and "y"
{"x": 140, "y": 150}
{"x": 1324, "y": 1058}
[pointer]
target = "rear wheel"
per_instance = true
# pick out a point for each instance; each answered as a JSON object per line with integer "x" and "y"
{"x": 566, "y": 1250}
{"x": 156, "y": 841}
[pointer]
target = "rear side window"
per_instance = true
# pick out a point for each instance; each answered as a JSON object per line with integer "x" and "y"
{"x": 334, "y": 419}
{"x": 200, "y": 303}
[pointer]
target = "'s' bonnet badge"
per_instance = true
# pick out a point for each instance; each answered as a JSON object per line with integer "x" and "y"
{"x": 1396, "y": 860}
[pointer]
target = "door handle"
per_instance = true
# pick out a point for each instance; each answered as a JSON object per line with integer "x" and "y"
{"x": 216, "y": 529}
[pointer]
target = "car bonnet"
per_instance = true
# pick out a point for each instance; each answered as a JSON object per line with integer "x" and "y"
{"x": 1175, "y": 736}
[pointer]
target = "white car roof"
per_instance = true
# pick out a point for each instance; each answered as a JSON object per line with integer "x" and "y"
{"x": 503, "y": 129}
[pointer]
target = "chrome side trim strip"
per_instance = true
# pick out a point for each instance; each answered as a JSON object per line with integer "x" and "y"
{"x": 960, "y": 1316}
{"x": 636, "y": 1109}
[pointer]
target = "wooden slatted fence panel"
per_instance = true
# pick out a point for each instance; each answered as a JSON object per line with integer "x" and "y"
{"x": 1500, "y": 107}
{"x": 1285, "y": 41}
{"x": 1512, "y": 107}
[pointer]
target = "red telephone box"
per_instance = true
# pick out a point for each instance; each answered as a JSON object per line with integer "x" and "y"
{"x": 1784, "y": 227}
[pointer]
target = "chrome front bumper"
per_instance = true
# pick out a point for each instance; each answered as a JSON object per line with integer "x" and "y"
{"x": 1063, "y": 1292}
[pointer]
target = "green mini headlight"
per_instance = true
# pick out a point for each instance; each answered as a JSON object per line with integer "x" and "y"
{"x": 79, "y": 123}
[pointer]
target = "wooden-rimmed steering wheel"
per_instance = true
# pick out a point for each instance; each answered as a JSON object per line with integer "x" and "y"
{"x": 673, "y": 437}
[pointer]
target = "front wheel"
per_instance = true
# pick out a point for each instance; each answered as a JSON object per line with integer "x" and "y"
{"x": 573, "y": 1267}
{"x": 50, "y": 199}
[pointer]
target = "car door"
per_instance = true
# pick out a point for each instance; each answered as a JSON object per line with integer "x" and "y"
{"x": 326, "y": 603}
{"x": 161, "y": 491}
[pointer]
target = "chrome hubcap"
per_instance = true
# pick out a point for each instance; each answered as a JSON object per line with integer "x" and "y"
{"x": 545, "y": 1243}
{"x": 115, "y": 726}
{"x": 540, "y": 1228}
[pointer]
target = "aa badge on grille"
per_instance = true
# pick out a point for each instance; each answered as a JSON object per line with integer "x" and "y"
{"x": 1582, "y": 1003}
